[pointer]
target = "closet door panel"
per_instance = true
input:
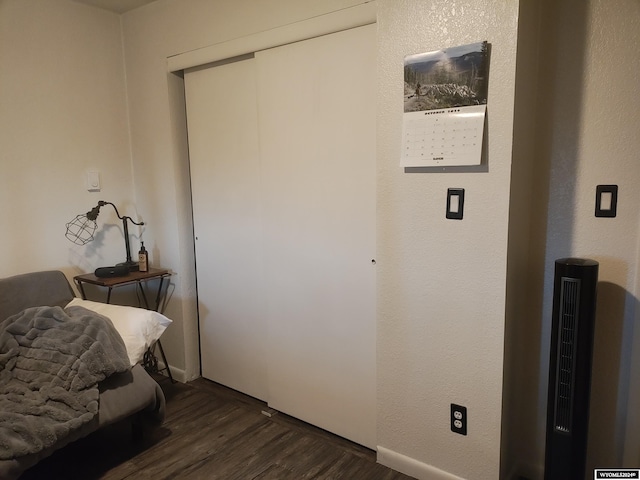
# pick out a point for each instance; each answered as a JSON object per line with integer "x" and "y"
{"x": 225, "y": 178}
{"x": 317, "y": 110}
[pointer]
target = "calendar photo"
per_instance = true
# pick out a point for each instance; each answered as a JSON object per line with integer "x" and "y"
{"x": 445, "y": 100}
{"x": 454, "y": 77}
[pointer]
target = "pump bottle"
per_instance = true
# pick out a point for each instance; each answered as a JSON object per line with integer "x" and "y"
{"x": 143, "y": 259}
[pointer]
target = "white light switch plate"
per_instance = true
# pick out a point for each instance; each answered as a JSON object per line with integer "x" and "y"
{"x": 93, "y": 181}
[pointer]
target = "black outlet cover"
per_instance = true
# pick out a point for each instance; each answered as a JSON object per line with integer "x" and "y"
{"x": 458, "y": 419}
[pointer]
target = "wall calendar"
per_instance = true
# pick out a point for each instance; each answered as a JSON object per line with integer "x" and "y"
{"x": 445, "y": 102}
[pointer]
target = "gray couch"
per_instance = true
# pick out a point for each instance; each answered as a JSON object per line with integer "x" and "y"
{"x": 131, "y": 394}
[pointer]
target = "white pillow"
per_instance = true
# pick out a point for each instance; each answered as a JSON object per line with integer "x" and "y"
{"x": 138, "y": 327}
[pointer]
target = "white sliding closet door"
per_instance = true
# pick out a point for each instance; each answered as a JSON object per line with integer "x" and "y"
{"x": 225, "y": 182}
{"x": 317, "y": 110}
{"x": 282, "y": 151}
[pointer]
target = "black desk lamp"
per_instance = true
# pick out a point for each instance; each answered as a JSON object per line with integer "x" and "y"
{"x": 80, "y": 230}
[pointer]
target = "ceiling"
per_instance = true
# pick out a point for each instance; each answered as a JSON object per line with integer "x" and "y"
{"x": 117, "y": 6}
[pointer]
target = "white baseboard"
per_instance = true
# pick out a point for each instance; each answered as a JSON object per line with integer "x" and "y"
{"x": 178, "y": 374}
{"x": 412, "y": 467}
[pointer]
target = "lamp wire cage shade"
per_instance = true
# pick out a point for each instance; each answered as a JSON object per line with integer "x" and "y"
{"x": 80, "y": 230}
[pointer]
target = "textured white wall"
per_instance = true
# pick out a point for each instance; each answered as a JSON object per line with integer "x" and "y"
{"x": 586, "y": 134}
{"x": 62, "y": 112}
{"x": 594, "y": 141}
{"x": 524, "y": 290}
{"x": 441, "y": 302}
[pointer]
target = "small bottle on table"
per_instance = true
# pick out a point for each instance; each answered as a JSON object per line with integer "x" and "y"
{"x": 143, "y": 259}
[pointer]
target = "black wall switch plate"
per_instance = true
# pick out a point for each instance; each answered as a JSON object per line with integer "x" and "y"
{"x": 455, "y": 203}
{"x": 606, "y": 200}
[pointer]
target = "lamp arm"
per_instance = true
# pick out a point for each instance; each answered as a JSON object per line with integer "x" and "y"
{"x": 102, "y": 203}
{"x": 126, "y": 238}
{"x": 125, "y": 227}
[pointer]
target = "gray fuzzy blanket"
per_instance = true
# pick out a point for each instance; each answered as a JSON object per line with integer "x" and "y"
{"x": 51, "y": 361}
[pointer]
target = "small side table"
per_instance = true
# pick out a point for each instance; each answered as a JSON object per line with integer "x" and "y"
{"x": 138, "y": 279}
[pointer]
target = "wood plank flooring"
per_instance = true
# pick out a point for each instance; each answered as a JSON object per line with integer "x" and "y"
{"x": 214, "y": 433}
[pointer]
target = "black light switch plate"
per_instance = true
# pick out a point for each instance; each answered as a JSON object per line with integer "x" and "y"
{"x": 455, "y": 203}
{"x": 606, "y": 200}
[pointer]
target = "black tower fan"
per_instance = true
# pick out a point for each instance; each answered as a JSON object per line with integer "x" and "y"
{"x": 574, "y": 308}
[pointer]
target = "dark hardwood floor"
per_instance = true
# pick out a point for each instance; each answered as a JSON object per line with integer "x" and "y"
{"x": 212, "y": 432}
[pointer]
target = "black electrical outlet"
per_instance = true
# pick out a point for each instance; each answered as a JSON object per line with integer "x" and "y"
{"x": 458, "y": 419}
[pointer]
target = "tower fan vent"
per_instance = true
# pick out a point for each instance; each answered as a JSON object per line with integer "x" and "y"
{"x": 570, "y": 360}
{"x": 566, "y": 361}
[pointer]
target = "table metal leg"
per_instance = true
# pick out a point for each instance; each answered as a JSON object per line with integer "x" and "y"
{"x": 151, "y": 351}
{"x": 144, "y": 296}
{"x": 164, "y": 359}
{"x": 84, "y": 295}
{"x": 159, "y": 294}
{"x": 150, "y": 361}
